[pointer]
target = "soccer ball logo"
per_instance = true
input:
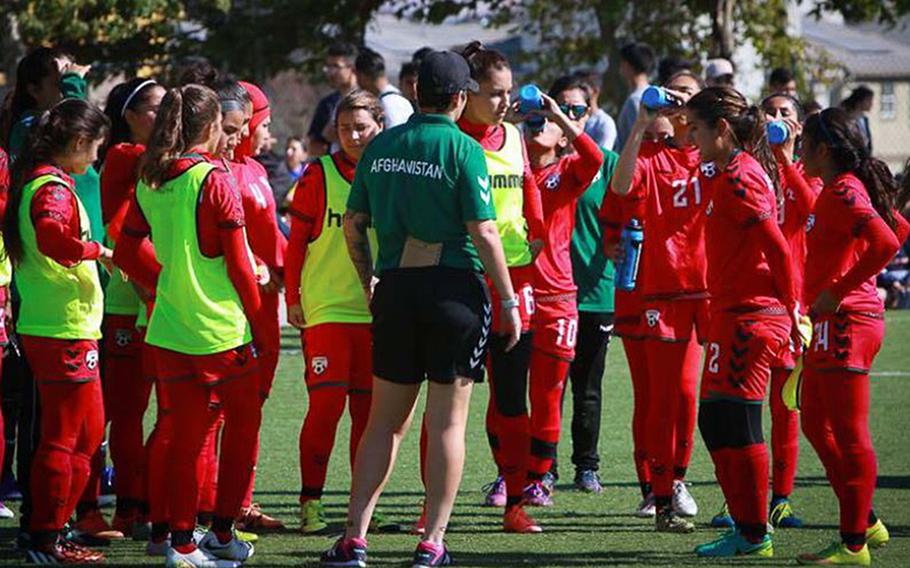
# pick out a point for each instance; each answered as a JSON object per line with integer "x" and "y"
{"x": 709, "y": 169}
{"x": 91, "y": 359}
{"x": 653, "y": 316}
{"x": 320, "y": 364}
{"x": 122, "y": 337}
{"x": 810, "y": 222}
{"x": 552, "y": 182}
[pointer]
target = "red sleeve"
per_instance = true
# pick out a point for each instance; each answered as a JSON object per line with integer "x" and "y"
{"x": 56, "y": 219}
{"x": 134, "y": 253}
{"x": 585, "y": 163}
{"x": 306, "y": 212}
{"x": 118, "y": 179}
{"x": 4, "y": 183}
{"x": 804, "y": 193}
{"x": 752, "y": 200}
{"x": 777, "y": 252}
{"x": 611, "y": 218}
{"x": 882, "y": 246}
{"x": 533, "y": 208}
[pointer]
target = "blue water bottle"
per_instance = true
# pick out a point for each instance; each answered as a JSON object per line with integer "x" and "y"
{"x": 631, "y": 239}
{"x": 778, "y": 132}
{"x": 530, "y": 100}
{"x": 657, "y": 98}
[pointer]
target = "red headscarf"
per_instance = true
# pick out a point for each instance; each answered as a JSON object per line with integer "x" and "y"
{"x": 261, "y": 112}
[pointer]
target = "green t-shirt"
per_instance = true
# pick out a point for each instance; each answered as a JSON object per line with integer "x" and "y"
{"x": 592, "y": 270}
{"x": 424, "y": 179}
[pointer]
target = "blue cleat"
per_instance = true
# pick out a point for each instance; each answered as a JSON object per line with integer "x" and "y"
{"x": 782, "y": 515}
{"x": 723, "y": 520}
{"x": 732, "y": 543}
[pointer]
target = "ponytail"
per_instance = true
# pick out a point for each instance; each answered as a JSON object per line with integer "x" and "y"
{"x": 185, "y": 114}
{"x": 747, "y": 124}
{"x": 50, "y": 137}
{"x": 834, "y": 128}
{"x": 483, "y": 60}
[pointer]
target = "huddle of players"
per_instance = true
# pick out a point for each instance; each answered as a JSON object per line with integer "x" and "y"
{"x": 726, "y": 217}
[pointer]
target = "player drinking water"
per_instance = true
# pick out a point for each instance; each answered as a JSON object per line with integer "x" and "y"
{"x": 664, "y": 176}
{"x": 326, "y": 303}
{"x": 48, "y": 238}
{"x": 754, "y": 306}
{"x": 564, "y": 161}
{"x": 855, "y": 231}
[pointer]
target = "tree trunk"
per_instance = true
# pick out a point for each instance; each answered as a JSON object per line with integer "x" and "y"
{"x": 610, "y": 16}
{"x": 722, "y": 32}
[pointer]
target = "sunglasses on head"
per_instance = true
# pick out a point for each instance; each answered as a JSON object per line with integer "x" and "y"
{"x": 574, "y": 111}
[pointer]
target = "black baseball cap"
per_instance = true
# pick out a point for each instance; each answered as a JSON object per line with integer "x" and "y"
{"x": 445, "y": 73}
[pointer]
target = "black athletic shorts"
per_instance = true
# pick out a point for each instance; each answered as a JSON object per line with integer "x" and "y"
{"x": 430, "y": 323}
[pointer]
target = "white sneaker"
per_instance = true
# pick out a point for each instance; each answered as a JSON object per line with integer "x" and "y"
{"x": 235, "y": 549}
{"x": 6, "y": 512}
{"x": 197, "y": 559}
{"x": 683, "y": 504}
{"x": 647, "y": 508}
{"x": 158, "y": 548}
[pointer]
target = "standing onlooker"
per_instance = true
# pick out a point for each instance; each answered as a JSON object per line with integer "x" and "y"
{"x": 600, "y": 125}
{"x": 295, "y": 157}
{"x": 370, "y": 71}
{"x": 857, "y": 105}
{"x": 671, "y": 65}
{"x": 782, "y": 82}
{"x": 636, "y": 61}
{"x": 407, "y": 82}
{"x": 719, "y": 73}
{"x": 339, "y": 71}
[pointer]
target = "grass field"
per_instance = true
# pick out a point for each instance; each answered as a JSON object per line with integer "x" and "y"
{"x": 581, "y": 530}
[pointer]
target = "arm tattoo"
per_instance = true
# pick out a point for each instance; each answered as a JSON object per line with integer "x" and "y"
{"x": 355, "y": 234}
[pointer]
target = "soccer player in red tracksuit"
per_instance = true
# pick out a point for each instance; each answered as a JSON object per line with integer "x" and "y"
{"x": 794, "y": 207}
{"x": 47, "y": 236}
{"x": 664, "y": 175}
{"x": 205, "y": 296}
{"x": 325, "y": 301}
{"x": 855, "y": 231}
{"x": 131, "y": 107}
{"x": 269, "y": 246}
{"x": 754, "y": 307}
{"x": 520, "y": 223}
{"x": 562, "y": 176}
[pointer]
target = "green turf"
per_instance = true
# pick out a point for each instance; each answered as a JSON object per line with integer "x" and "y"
{"x": 580, "y": 529}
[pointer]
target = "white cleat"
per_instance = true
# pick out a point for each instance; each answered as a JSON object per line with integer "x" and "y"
{"x": 235, "y": 549}
{"x": 683, "y": 504}
{"x": 197, "y": 559}
{"x": 6, "y": 512}
{"x": 647, "y": 508}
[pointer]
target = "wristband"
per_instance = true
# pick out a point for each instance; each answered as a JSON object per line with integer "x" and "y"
{"x": 510, "y": 303}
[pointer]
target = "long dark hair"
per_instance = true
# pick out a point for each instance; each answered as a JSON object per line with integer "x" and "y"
{"x": 483, "y": 60}
{"x": 128, "y": 95}
{"x": 834, "y": 128}
{"x": 747, "y": 122}
{"x": 184, "y": 115}
{"x": 32, "y": 69}
{"x": 51, "y": 136}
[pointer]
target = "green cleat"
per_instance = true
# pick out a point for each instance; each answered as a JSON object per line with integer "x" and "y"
{"x": 669, "y": 522}
{"x": 782, "y": 515}
{"x": 732, "y": 543}
{"x": 837, "y": 555}
{"x": 312, "y": 517}
{"x": 877, "y": 535}
{"x": 380, "y": 523}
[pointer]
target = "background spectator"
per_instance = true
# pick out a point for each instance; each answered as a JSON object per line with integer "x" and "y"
{"x": 636, "y": 62}
{"x": 339, "y": 72}
{"x": 671, "y": 65}
{"x": 857, "y": 105}
{"x": 782, "y": 82}
{"x": 295, "y": 157}
{"x": 370, "y": 71}
{"x": 600, "y": 126}
{"x": 719, "y": 73}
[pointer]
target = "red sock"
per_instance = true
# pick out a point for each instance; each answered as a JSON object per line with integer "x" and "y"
{"x": 268, "y": 360}
{"x": 72, "y": 425}
{"x": 239, "y": 440}
{"x": 492, "y": 422}
{"x": 816, "y": 425}
{"x": 516, "y": 442}
{"x": 548, "y": 378}
{"x": 688, "y": 409}
{"x": 749, "y": 478}
{"x": 157, "y": 448}
{"x": 208, "y": 465}
{"x": 723, "y": 469}
{"x": 784, "y": 436}
{"x": 638, "y": 369}
{"x": 317, "y": 437}
{"x": 248, "y": 495}
{"x": 666, "y": 361}
{"x": 129, "y": 397}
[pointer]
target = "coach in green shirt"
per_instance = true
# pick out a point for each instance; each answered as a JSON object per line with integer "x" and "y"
{"x": 423, "y": 186}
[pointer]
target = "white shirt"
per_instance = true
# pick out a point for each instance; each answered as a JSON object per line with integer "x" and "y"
{"x": 396, "y": 107}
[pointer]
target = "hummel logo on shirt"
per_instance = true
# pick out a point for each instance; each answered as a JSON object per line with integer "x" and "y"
{"x": 484, "y": 189}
